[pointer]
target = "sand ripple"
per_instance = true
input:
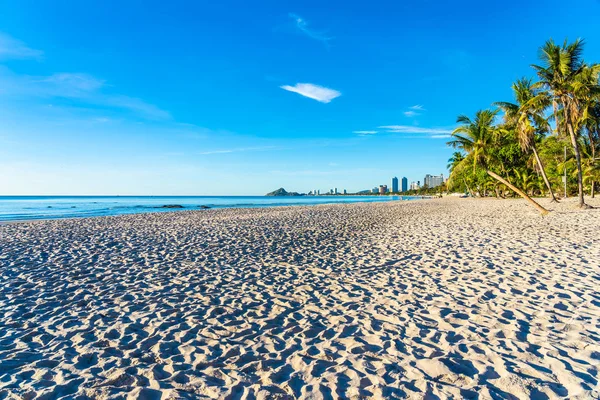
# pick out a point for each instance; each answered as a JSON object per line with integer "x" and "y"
{"x": 449, "y": 298}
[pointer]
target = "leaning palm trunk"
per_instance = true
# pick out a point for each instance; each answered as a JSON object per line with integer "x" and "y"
{"x": 543, "y": 171}
{"x": 524, "y": 195}
{"x": 578, "y": 159}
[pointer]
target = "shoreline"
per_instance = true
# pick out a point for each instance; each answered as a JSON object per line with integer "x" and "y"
{"x": 170, "y": 209}
{"x": 212, "y": 209}
{"x": 449, "y": 297}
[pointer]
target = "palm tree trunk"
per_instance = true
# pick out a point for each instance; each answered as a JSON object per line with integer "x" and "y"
{"x": 468, "y": 188}
{"x": 541, "y": 209}
{"x": 592, "y": 190}
{"x": 539, "y": 161}
{"x": 555, "y": 110}
{"x": 578, "y": 159}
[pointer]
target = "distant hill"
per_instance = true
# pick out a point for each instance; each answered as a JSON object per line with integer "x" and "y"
{"x": 282, "y": 192}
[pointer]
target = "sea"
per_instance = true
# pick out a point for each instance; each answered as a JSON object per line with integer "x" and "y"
{"x": 18, "y": 208}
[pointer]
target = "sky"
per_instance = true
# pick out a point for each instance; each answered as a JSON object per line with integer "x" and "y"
{"x": 237, "y": 98}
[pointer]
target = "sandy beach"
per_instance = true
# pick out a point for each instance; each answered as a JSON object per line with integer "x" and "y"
{"x": 452, "y": 298}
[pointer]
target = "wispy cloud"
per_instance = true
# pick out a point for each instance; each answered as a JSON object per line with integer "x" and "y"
{"x": 238, "y": 150}
{"x": 138, "y": 106}
{"x": 316, "y": 92}
{"x": 83, "y": 87}
{"x": 11, "y": 48}
{"x": 72, "y": 84}
{"x": 303, "y": 26}
{"x": 80, "y": 86}
{"x": 414, "y": 111}
{"x": 365, "y": 133}
{"x": 440, "y": 136}
{"x": 416, "y": 129}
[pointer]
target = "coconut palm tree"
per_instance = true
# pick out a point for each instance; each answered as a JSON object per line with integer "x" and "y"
{"x": 478, "y": 138}
{"x": 588, "y": 94}
{"x": 563, "y": 75}
{"x": 460, "y": 173}
{"x": 590, "y": 165}
{"x": 528, "y": 119}
{"x": 453, "y": 161}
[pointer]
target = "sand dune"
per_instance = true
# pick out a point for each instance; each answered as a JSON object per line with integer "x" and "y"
{"x": 445, "y": 298}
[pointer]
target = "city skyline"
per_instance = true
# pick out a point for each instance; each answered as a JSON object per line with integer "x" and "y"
{"x": 397, "y": 186}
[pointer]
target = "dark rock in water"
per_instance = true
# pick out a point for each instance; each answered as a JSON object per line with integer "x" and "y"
{"x": 204, "y": 207}
{"x": 171, "y": 206}
{"x": 283, "y": 192}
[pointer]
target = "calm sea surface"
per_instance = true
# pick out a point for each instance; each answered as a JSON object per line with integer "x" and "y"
{"x": 51, "y": 207}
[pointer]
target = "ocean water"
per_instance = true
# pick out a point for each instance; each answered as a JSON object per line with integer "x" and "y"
{"x": 16, "y": 208}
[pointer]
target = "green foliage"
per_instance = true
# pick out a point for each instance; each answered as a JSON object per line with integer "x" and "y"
{"x": 558, "y": 114}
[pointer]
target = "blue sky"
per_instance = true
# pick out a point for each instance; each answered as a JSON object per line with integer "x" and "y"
{"x": 112, "y": 97}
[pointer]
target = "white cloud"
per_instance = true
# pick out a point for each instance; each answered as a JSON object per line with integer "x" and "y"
{"x": 414, "y": 111}
{"x": 138, "y": 106}
{"x": 238, "y": 150}
{"x": 68, "y": 84}
{"x": 440, "y": 136}
{"x": 316, "y": 92}
{"x": 365, "y": 132}
{"x": 302, "y": 25}
{"x": 84, "y": 87}
{"x": 415, "y": 129}
{"x": 11, "y": 48}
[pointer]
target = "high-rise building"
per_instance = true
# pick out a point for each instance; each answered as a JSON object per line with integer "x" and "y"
{"x": 383, "y": 189}
{"x": 414, "y": 185}
{"x": 394, "y": 185}
{"x": 404, "y": 184}
{"x": 375, "y": 190}
{"x": 336, "y": 192}
{"x": 432, "y": 181}
{"x": 345, "y": 191}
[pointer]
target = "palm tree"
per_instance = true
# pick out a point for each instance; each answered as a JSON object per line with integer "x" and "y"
{"x": 588, "y": 92}
{"x": 456, "y": 166}
{"x": 478, "y": 138}
{"x": 561, "y": 75}
{"x": 453, "y": 161}
{"x": 591, "y": 166}
{"x": 528, "y": 118}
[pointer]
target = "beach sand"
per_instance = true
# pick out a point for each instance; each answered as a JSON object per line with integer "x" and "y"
{"x": 457, "y": 298}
